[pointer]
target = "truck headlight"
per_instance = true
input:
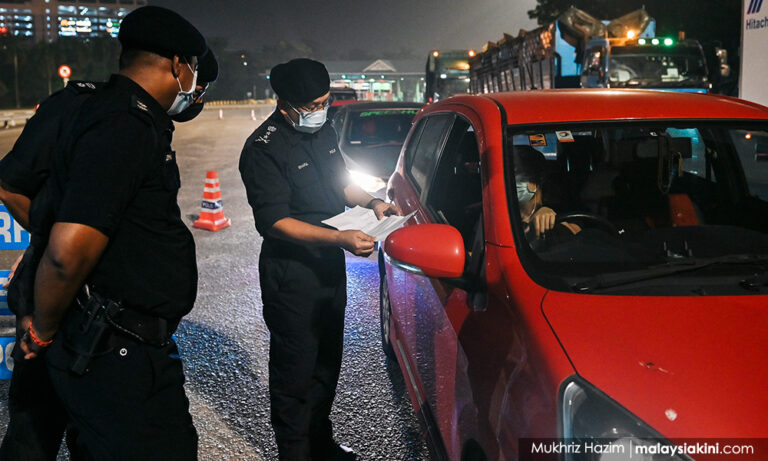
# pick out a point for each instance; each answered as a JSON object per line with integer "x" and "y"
{"x": 367, "y": 182}
{"x": 590, "y": 418}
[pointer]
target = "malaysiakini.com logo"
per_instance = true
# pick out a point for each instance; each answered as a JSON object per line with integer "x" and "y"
{"x": 754, "y": 6}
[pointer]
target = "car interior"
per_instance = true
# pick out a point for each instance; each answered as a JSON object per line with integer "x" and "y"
{"x": 659, "y": 192}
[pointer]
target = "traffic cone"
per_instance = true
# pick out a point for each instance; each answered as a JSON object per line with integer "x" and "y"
{"x": 221, "y": 114}
{"x": 212, "y": 212}
{"x": 253, "y": 114}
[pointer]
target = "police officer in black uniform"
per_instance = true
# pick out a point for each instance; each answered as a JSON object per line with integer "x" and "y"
{"x": 116, "y": 227}
{"x": 295, "y": 178}
{"x": 36, "y": 416}
{"x": 37, "y": 419}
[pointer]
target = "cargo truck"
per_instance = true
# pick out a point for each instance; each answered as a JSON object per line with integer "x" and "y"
{"x": 578, "y": 50}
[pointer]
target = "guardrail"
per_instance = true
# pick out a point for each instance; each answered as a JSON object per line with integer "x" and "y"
{"x": 9, "y": 119}
{"x": 240, "y": 102}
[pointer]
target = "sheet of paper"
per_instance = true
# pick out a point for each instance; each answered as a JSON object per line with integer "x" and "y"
{"x": 359, "y": 218}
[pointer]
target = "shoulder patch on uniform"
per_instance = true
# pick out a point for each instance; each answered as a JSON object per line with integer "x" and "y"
{"x": 264, "y": 137}
{"x": 140, "y": 107}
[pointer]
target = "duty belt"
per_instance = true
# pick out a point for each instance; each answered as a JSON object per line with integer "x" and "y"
{"x": 147, "y": 329}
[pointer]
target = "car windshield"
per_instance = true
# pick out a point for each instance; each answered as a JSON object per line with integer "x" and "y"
{"x": 673, "y": 208}
{"x": 447, "y": 87}
{"x": 673, "y": 66}
{"x": 380, "y": 126}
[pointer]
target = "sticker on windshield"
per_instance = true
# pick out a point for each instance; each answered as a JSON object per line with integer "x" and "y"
{"x": 537, "y": 140}
{"x": 564, "y": 136}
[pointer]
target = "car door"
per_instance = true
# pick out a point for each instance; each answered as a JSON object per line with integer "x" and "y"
{"x": 432, "y": 311}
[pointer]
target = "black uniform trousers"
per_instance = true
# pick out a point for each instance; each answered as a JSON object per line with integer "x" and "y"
{"x": 129, "y": 405}
{"x": 304, "y": 296}
{"x": 37, "y": 419}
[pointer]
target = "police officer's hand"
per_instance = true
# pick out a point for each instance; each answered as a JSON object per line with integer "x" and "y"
{"x": 384, "y": 209}
{"x": 356, "y": 242}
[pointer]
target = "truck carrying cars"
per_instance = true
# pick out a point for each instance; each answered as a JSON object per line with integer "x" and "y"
{"x": 578, "y": 50}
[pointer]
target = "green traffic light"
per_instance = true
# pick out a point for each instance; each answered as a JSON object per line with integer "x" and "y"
{"x": 668, "y": 42}
{"x": 641, "y": 41}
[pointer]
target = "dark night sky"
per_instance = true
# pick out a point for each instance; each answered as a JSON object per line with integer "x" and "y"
{"x": 375, "y": 25}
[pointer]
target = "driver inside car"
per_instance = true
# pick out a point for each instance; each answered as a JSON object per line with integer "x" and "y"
{"x": 540, "y": 222}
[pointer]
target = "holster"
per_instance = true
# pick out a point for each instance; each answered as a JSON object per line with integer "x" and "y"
{"x": 87, "y": 333}
{"x": 91, "y": 328}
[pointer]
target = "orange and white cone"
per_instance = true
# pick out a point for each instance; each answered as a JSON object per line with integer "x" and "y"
{"x": 221, "y": 114}
{"x": 212, "y": 211}
{"x": 253, "y": 114}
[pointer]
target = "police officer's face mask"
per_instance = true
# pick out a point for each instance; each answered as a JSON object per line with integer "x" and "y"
{"x": 189, "y": 113}
{"x": 309, "y": 122}
{"x": 184, "y": 98}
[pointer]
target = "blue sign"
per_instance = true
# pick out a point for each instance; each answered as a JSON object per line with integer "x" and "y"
{"x": 12, "y": 235}
{"x": 6, "y": 362}
{"x": 4, "y": 293}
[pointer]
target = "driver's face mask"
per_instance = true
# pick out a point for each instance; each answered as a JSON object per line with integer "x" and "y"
{"x": 524, "y": 195}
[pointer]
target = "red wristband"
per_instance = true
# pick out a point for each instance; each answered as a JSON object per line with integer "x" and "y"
{"x": 35, "y": 339}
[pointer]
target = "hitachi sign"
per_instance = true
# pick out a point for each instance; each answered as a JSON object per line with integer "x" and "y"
{"x": 754, "y": 59}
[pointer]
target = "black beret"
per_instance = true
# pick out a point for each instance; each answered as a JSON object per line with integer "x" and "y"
{"x": 208, "y": 68}
{"x": 300, "y": 80}
{"x": 161, "y": 31}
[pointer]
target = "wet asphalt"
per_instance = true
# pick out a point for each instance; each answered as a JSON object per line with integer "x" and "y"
{"x": 224, "y": 341}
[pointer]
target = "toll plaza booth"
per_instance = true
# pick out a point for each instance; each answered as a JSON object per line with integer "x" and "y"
{"x": 380, "y": 80}
{"x": 13, "y": 241}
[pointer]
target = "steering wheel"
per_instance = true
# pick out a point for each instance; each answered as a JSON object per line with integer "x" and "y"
{"x": 599, "y": 221}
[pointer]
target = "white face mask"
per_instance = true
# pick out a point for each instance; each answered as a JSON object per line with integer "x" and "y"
{"x": 184, "y": 98}
{"x": 309, "y": 122}
{"x": 524, "y": 194}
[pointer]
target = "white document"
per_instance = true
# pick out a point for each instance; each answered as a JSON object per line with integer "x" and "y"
{"x": 364, "y": 219}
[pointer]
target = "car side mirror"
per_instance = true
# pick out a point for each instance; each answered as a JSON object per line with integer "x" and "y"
{"x": 433, "y": 250}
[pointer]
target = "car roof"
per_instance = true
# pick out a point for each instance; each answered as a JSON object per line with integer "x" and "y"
{"x": 552, "y": 106}
{"x": 360, "y": 106}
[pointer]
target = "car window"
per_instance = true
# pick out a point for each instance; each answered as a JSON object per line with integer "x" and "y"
{"x": 752, "y": 149}
{"x": 636, "y": 197}
{"x": 423, "y": 156}
{"x": 455, "y": 195}
{"x": 380, "y": 126}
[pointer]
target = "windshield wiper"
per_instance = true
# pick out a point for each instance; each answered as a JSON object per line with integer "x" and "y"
{"x": 663, "y": 270}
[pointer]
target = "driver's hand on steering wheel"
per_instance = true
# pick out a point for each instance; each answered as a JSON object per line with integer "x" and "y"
{"x": 574, "y": 228}
{"x": 543, "y": 220}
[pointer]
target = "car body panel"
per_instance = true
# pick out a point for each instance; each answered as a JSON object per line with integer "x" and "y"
{"x": 658, "y": 354}
{"x": 491, "y": 376}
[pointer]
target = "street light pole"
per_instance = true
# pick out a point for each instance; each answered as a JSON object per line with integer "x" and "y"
{"x": 16, "y": 77}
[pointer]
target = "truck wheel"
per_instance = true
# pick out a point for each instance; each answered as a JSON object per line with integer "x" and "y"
{"x": 385, "y": 313}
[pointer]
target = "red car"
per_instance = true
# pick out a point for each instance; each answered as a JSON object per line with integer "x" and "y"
{"x": 586, "y": 266}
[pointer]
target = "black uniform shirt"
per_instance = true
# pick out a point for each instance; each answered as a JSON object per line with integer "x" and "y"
{"x": 117, "y": 173}
{"x": 292, "y": 174}
{"x": 26, "y": 167}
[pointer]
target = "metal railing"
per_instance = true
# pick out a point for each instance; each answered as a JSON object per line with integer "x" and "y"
{"x": 10, "y": 119}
